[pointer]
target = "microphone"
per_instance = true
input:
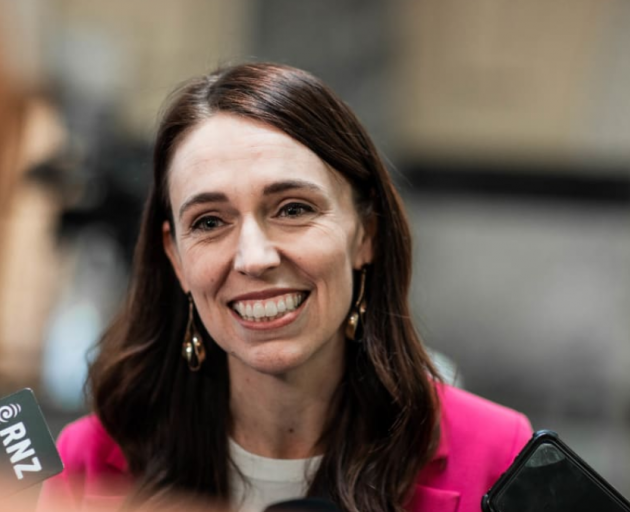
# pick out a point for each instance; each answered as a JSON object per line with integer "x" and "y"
{"x": 28, "y": 454}
{"x": 303, "y": 505}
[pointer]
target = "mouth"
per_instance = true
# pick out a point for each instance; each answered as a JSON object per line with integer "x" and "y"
{"x": 270, "y": 309}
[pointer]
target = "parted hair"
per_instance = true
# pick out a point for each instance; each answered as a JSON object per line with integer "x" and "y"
{"x": 173, "y": 425}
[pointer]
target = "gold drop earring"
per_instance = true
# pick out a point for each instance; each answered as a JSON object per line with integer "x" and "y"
{"x": 193, "y": 350}
{"x": 357, "y": 315}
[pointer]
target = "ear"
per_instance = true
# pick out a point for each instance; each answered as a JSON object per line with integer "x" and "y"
{"x": 170, "y": 248}
{"x": 365, "y": 252}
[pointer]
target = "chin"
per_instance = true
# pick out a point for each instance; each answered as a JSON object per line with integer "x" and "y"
{"x": 273, "y": 361}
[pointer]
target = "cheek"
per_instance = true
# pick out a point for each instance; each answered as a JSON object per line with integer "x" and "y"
{"x": 322, "y": 254}
{"x": 334, "y": 267}
{"x": 203, "y": 268}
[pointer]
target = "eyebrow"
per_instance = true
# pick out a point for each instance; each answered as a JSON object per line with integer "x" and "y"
{"x": 268, "y": 190}
{"x": 283, "y": 186}
{"x": 202, "y": 198}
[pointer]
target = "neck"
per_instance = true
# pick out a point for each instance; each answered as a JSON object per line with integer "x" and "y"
{"x": 281, "y": 416}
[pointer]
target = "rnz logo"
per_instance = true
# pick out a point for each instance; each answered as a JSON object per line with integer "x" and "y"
{"x": 16, "y": 444}
{"x": 9, "y": 412}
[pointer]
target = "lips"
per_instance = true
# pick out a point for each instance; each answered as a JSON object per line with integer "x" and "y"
{"x": 265, "y": 310}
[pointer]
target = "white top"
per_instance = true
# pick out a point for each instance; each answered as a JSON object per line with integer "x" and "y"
{"x": 268, "y": 480}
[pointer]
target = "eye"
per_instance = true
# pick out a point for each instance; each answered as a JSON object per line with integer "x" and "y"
{"x": 294, "y": 210}
{"x": 207, "y": 223}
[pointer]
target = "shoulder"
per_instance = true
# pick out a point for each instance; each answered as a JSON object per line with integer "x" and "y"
{"x": 479, "y": 432}
{"x": 95, "y": 471}
{"x": 471, "y": 418}
{"x": 85, "y": 445}
{"x": 82, "y": 440}
{"x": 479, "y": 440}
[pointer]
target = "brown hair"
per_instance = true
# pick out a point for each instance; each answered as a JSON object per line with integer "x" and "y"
{"x": 173, "y": 425}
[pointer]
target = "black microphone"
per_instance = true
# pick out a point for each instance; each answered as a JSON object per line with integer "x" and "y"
{"x": 303, "y": 505}
{"x": 28, "y": 453}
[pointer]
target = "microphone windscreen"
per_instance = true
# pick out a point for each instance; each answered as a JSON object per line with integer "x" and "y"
{"x": 28, "y": 453}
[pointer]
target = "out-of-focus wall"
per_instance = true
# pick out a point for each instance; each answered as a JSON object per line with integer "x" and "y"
{"x": 511, "y": 79}
{"x": 131, "y": 54}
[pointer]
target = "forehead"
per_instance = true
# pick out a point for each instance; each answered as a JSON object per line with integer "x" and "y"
{"x": 225, "y": 151}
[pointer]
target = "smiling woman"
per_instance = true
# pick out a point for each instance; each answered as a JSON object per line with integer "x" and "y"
{"x": 275, "y": 256}
{"x": 250, "y": 239}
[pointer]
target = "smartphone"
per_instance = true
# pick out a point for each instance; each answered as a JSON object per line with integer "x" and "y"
{"x": 547, "y": 476}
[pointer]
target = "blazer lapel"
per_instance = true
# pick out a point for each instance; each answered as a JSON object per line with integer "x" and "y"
{"x": 107, "y": 493}
{"x": 430, "y": 499}
{"x": 116, "y": 459}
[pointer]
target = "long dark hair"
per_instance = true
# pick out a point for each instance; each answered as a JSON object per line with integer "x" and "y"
{"x": 173, "y": 425}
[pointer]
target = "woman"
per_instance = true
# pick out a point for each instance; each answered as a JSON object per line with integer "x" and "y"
{"x": 274, "y": 255}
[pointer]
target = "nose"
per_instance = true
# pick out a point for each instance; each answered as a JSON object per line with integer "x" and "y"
{"x": 256, "y": 253}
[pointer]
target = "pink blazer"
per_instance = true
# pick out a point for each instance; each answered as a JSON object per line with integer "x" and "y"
{"x": 479, "y": 441}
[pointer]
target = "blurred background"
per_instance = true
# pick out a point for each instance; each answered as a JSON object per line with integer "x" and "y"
{"x": 507, "y": 126}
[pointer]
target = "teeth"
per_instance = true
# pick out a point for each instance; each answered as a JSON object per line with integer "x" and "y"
{"x": 271, "y": 309}
{"x": 261, "y": 311}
